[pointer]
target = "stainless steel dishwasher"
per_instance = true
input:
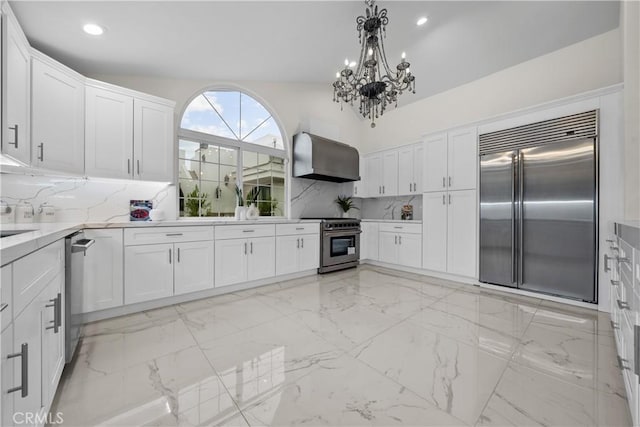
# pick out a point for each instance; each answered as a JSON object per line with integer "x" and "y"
{"x": 76, "y": 246}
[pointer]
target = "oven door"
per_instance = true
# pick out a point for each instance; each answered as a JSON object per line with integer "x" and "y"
{"x": 340, "y": 247}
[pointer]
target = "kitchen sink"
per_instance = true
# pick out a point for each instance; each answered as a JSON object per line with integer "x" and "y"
{"x": 7, "y": 233}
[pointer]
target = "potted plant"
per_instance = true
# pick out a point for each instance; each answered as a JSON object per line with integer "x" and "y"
{"x": 346, "y": 204}
{"x": 196, "y": 203}
{"x": 241, "y": 212}
{"x": 252, "y": 200}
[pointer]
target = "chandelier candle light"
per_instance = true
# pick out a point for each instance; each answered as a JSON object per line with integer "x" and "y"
{"x": 373, "y": 82}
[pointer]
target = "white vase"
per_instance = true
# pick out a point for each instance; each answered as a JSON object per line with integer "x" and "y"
{"x": 345, "y": 215}
{"x": 240, "y": 212}
{"x": 253, "y": 212}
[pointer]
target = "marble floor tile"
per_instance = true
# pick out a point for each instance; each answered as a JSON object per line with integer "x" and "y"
{"x": 456, "y": 378}
{"x": 524, "y": 397}
{"x": 365, "y": 346}
{"x": 349, "y": 393}
{"x": 572, "y": 355}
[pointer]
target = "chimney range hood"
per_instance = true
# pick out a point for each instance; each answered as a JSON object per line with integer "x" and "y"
{"x": 319, "y": 158}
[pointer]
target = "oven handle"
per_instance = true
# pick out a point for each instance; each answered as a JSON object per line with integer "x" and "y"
{"x": 342, "y": 233}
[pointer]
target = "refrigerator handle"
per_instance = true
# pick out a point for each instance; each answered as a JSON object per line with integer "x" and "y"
{"x": 520, "y": 216}
{"x": 514, "y": 171}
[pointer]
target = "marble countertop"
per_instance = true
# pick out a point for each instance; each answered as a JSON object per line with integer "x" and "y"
{"x": 413, "y": 221}
{"x": 629, "y": 223}
{"x": 40, "y": 235}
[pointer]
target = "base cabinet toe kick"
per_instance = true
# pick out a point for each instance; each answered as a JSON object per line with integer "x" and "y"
{"x": 621, "y": 261}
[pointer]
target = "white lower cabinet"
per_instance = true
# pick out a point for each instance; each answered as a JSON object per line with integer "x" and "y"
{"x": 240, "y": 260}
{"x": 7, "y": 378}
{"x": 297, "y": 252}
{"x": 400, "y": 244}
{"x": 369, "y": 241}
{"x": 103, "y": 271}
{"x": 388, "y": 247}
{"x": 148, "y": 272}
{"x": 193, "y": 269}
{"x": 449, "y": 233}
{"x": 53, "y": 340}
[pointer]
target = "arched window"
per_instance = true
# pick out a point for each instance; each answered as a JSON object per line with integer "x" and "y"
{"x": 228, "y": 138}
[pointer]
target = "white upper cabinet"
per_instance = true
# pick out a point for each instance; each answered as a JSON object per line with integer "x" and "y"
{"x": 381, "y": 171}
{"x": 390, "y": 173}
{"x": 57, "y": 121}
{"x": 410, "y": 165}
{"x": 359, "y": 187}
{"x": 373, "y": 172}
{"x": 462, "y": 159}
{"x": 16, "y": 89}
{"x": 153, "y": 141}
{"x": 450, "y": 160}
{"x": 435, "y": 163}
{"x": 108, "y": 133}
{"x": 127, "y": 136}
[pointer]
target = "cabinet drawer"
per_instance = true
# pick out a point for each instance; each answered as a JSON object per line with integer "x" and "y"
{"x": 401, "y": 228}
{"x": 244, "y": 231}
{"x": 289, "y": 229}
{"x": 33, "y": 272}
{"x": 146, "y": 236}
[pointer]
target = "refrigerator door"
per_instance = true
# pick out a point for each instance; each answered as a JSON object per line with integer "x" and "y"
{"x": 497, "y": 218}
{"x": 558, "y": 228}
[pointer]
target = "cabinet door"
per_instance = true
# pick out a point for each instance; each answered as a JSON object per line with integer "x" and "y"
{"x": 461, "y": 230}
{"x": 148, "y": 272}
{"x": 463, "y": 159}
{"x": 7, "y": 380}
{"x": 108, "y": 133}
{"x": 28, "y": 330}
{"x": 16, "y": 92}
{"x": 435, "y": 163}
{"x": 410, "y": 250}
{"x": 57, "y": 122}
{"x": 261, "y": 262}
{"x": 388, "y": 247}
{"x": 193, "y": 267}
{"x": 309, "y": 253}
{"x": 53, "y": 344}
{"x": 418, "y": 165}
{"x": 373, "y": 171}
{"x": 434, "y": 231}
{"x": 405, "y": 170}
{"x": 360, "y": 187}
{"x": 153, "y": 141}
{"x": 287, "y": 254}
{"x": 103, "y": 271}
{"x": 230, "y": 262}
{"x": 390, "y": 173}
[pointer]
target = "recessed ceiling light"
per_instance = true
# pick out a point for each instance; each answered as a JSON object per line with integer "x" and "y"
{"x": 422, "y": 21}
{"x": 93, "y": 29}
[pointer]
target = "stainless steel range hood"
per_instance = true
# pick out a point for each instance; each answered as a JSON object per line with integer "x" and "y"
{"x": 319, "y": 158}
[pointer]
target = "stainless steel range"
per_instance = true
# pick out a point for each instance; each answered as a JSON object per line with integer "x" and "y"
{"x": 339, "y": 244}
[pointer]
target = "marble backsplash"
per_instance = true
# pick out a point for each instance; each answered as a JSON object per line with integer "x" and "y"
{"x": 311, "y": 198}
{"x": 78, "y": 199}
{"x": 390, "y": 207}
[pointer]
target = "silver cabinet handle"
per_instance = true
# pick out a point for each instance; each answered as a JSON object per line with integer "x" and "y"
{"x": 410, "y": 188}
{"x": 399, "y": 240}
{"x": 415, "y": 187}
{"x": 610, "y": 240}
{"x": 615, "y": 282}
{"x": 614, "y": 325}
{"x": 299, "y": 228}
{"x": 138, "y": 165}
{"x": 449, "y": 181}
{"x": 636, "y": 349}
{"x": 606, "y": 263}
{"x": 15, "y": 134}
{"x": 41, "y": 147}
{"x": 245, "y": 248}
{"x": 24, "y": 380}
{"x": 449, "y": 198}
{"x": 248, "y": 231}
{"x": 178, "y": 254}
{"x": 169, "y": 256}
{"x": 57, "y": 318}
{"x": 3, "y": 306}
{"x": 623, "y": 305}
{"x": 443, "y": 199}
{"x": 621, "y": 362}
{"x": 383, "y": 189}
{"x": 397, "y": 227}
{"x": 302, "y": 243}
{"x": 355, "y": 190}
{"x": 251, "y": 247}
{"x": 173, "y": 234}
{"x": 395, "y": 240}
{"x": 297, "y": 243}
{"x": 444, "y": 183}
{"x": 128, "y": 166}
{"x": 621, "y": 260}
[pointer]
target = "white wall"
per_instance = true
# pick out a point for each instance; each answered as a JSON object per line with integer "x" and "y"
{"x": 630, "y": 28}
{"x": 590, "y": 64}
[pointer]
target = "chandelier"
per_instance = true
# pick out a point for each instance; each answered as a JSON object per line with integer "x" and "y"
{"x": 373, "y": 82}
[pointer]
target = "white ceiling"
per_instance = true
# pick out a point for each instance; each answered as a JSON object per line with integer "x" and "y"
{"x": 305, "y": 41}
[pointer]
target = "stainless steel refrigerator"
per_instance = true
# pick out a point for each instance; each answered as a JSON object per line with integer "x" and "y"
{"x": 539, "y": 207}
